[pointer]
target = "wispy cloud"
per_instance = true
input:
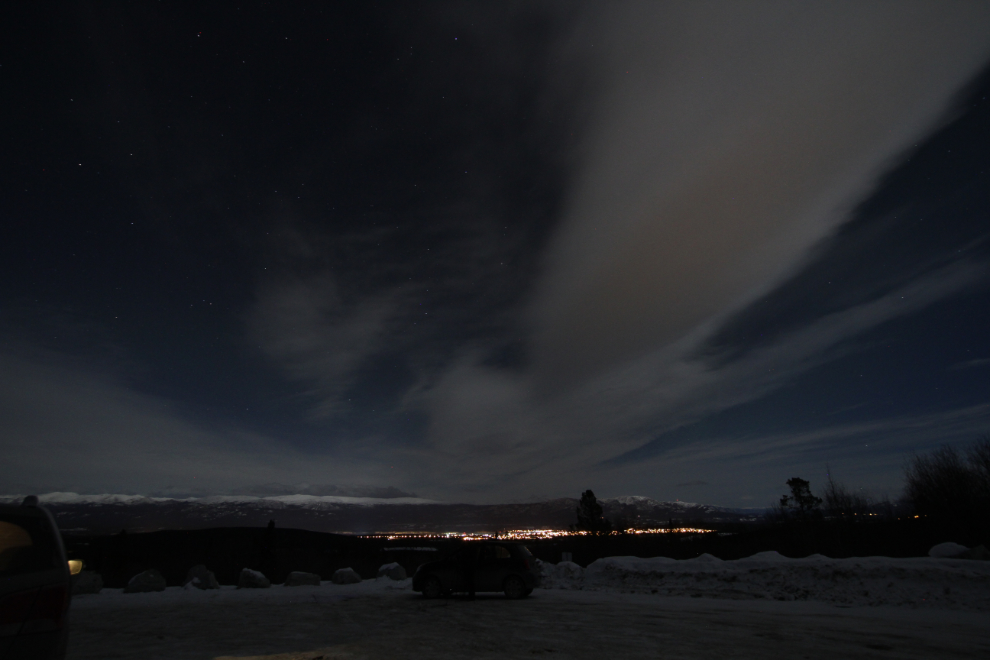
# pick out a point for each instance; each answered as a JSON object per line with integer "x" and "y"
{"x": 728, "y": 140}
{"x": 71, "y": 428}
{"x": 477, "y": 411}
{"x": 721, "y": 142}
{"x": 725, "y": 143}
{"x": 971, "y": 364}
{"x": 871, "y": 454}
{"x": 315, "y": 337}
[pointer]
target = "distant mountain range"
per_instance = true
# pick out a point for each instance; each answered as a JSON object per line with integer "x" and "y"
{"x": 103, "y": 514}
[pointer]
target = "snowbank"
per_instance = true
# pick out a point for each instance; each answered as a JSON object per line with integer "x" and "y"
{"x": 948, "y": 550}
{"x": 917, "y": 582}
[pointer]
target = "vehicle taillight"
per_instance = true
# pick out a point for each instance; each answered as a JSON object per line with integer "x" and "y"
{"x": 14, "y": 609}
{"x": 49, "y": 609}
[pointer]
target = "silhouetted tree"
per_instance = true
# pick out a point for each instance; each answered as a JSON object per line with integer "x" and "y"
{"x": 590, "y": 517}
{"x": 800, "y": 504}
{"x": 842, "y": 503}
{"x": 953, "y": 488}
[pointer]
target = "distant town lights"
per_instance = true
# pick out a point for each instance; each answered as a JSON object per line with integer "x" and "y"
{"x": 529, "y": 534}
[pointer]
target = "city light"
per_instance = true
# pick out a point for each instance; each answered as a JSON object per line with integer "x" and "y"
{"x": 528, "y": 534}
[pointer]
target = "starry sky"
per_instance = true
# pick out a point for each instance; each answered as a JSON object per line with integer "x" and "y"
{"x": 491, "y": 252}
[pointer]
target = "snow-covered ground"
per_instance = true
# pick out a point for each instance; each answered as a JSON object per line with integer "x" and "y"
{"x": 915, "y": 582}
{"x": 870, "y": 608}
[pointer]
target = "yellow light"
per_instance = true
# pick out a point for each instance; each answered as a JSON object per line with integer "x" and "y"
{"x": 75, "y": 566}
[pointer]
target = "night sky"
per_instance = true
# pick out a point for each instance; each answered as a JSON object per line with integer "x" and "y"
{"x": 487, "y": 252}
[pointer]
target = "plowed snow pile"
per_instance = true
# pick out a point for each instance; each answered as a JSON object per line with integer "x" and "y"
{"x": 918, "y": 582}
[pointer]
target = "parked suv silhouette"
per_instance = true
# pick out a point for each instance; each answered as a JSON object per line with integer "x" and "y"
{"x": 34, "y": 584}
{"x": 480, "y": 566}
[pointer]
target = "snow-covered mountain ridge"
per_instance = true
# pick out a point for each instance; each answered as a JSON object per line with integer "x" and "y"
{"x": 107, "y": 512}
{"x": 296, "y": 500}
{"x": 314, "y": 500}
{"x": 640, "y": 501}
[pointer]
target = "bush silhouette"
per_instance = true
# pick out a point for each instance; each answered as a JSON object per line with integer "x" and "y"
{"x": 953, "y": 488}
{"x": 842, "y": 503}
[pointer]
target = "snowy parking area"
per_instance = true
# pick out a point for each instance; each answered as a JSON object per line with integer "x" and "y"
{"x": 606, "y": 610}
{"x": 914, "y": 582}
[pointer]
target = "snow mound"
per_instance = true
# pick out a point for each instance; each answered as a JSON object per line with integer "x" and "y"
{"x": 250, "y": 579}
{"x": 302, "y": 579}
{"x": 345, "y": 576}
{"x": 948, "y": 550}
{"x": 393, "y": 571}
{"x": 150, "y": 580}
{"x": 769, "y": 555}
{"x": 565, "y": 575}
{"x": 705, "y": 557}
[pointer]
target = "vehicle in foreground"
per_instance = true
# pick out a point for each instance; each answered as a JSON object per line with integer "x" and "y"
{"x": 480, "y": 566}
{"x": 34, "y": 584}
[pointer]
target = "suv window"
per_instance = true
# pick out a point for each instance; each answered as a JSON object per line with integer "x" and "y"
{"x": 490, "y": 552}
{"x": 26, "y": 544}
{"x": 464, "y": 554}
